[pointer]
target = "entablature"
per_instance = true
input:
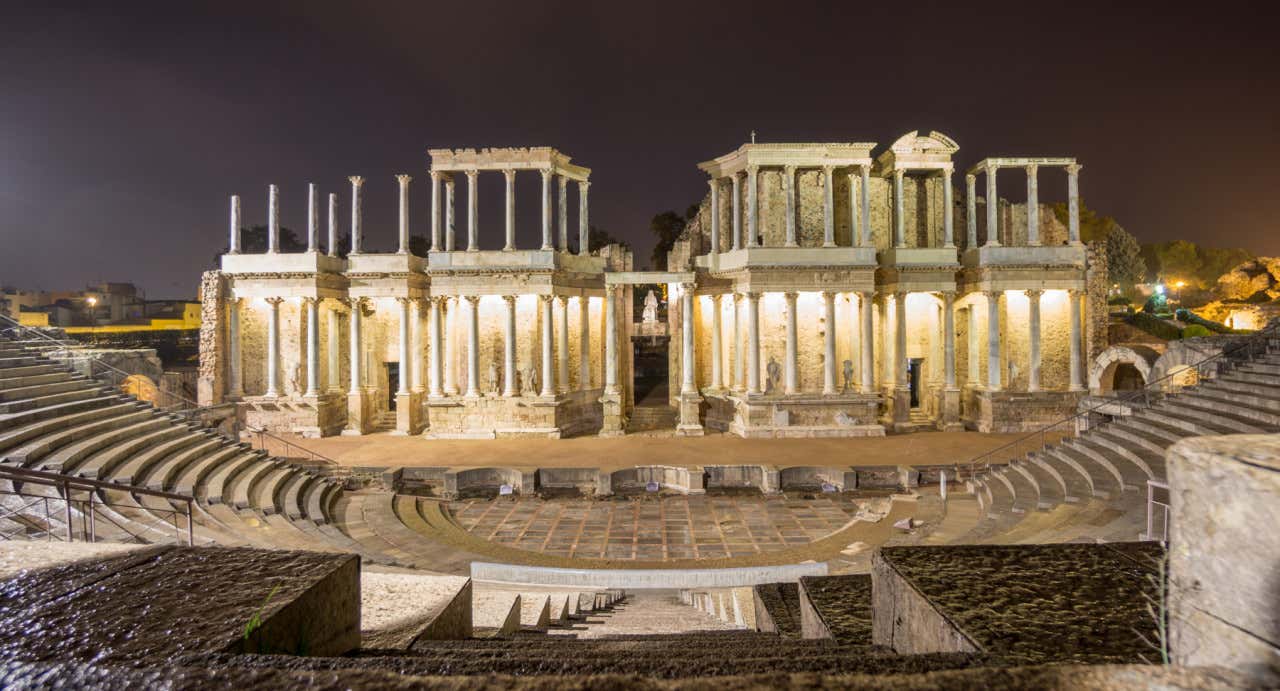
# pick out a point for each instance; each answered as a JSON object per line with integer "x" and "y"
{"x": 281, "y": 263}
{"x": 837, "y": 155}
{"x": 509, "y": 158}
{"x": 750, "y": 258}
{"x": 1019, "y": 162}
{"x": 513, "y": 260}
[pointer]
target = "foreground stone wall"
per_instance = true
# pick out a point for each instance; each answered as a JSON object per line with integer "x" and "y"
{"x": 212, "y": 369}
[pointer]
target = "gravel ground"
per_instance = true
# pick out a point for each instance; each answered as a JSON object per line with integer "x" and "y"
{"x": 390, "y": 601}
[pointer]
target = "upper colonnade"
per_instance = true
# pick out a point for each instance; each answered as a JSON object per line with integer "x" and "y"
{"x": 1031, "y": 165}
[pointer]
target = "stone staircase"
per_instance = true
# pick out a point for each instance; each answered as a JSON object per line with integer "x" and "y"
{"x": 650, "y": 417}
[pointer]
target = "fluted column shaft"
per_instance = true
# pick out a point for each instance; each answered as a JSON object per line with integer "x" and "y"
{"x": 1073, "y": 203}
{"x": 737, "y": 211}
{"x": 510, "y": 176}
{"x": 900, "y": 379}
{"x": 402, "y": 372}
{"x": 273, "y": 219}
{"x": 473, "y": 214}
{"x": 971, "y": 210}
{"x": 233, "y": 246}
{"x": 714, "y": 184}
{"x": 1075, "y": 297}
{"x": 562, "y": 210}
{"x": 899, "y": 221}
{"x": 584, "y": 226}
{"x": 717, "y": 346}
{"x": 687, "y": 385}
{"x": 453, "y": 307}
{"x": 993, "y": 209}
{"x": 752, "y": 207}
{"x": 235, "y": 367}
{"x": 334, "y": 362}
{"x": 435, "y": 388}
{"x": 333, "y": 225}
{"x": 866, "y": 206}
{"x": 548, "y": 360}
{"x": 313, "y": 218}
{"x": 562, "y": 345}
{"x": 867, "y": 343}
{"x": 415, "y": 345}
{"x": 436, "y": 240}
{"x": 789, "y": 187}
{"x": 975, "y": 347}
{"x": 1033, "y": 372}
{"x": 753, "y": 343}
{"x": 403, "y": 226}
{"x": 1033, "y": 206}
{"x": 829, "y": 343}
{"x": 473, "y": 346}
{"x": 738, "y": 383}
{"x": 828, "y": 207}
{"x": 509, "y": 347}
{"x": 610, "y": 339}
{"x": 948, "y": 213}
{"x": 584, "y": 343}
{"x": 949, "y": 339}
{"x": 357, "y": 211}
{"x": 313, "y": 346}
{"x": 273, "y": 347}
{"x": 356, "y": 347}
{"x": 450, "y": 222}
{"x": 993, "y": 341}
{"x": 792, "y": 366}
{"x": 546, "y": 210}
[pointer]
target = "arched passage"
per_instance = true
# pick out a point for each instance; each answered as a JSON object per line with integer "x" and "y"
{"x": 1121, "y": 368}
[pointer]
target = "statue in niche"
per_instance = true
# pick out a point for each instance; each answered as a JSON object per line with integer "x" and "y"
{"x": 530, "y": 381}
{"x": 1013, "y": 373}
{"x": 295, "y": 381}
{"x": 650, "y": 308}
{"x": 493, "y": 378}
{"x": 848, "y": 376}
{"x": 773, "y": 372}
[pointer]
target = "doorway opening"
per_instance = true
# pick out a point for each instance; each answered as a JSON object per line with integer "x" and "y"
{"x": 914, "y": 366}
{"x": 393, "y": 379}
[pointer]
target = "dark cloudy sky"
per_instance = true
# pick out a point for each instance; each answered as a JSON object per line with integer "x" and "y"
{"x": 125, "y": 126}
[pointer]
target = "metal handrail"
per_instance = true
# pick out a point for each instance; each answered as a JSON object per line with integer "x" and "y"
{"x": 1143, "y": 394}
{"x": 289, "y": 445}
{"x": 1152, "y": 486}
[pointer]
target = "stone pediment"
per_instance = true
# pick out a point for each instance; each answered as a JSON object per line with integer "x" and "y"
{"x": 934, "y": 142}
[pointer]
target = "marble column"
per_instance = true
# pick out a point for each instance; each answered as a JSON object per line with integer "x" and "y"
{"x": 333, "y": 224}
{"x": 562, "y": 345}
{"x": 450, "y": 230}
{"x": 313, "y": 218}
{"x": 855, "y": 230}
{"x": 402, "y": 372}
{"x": 867, "y": 350}
{"x": 273, "y": 219}
{"x": 791, "y": 368}
{"x": 993, "y": 209}
{"x": 900, "y": 379}
{"x": 473, "y": 213}
{"x": 971, "y": 210}
{"x": 313, "y": 346}
{"x": 562, "y": 211}
{"x": 235, "y": 366}
{"x": 584, "y": 226}
{"x": 737, "y": 211}
{"x": 357, "y": 210}
{"x": 829, "y": 343}
{"x": 687, "y": 383}
{"x": 1033, "y": 314}
{"x": 866, "y": 206}
{"x": 714, "y": 184}
{"x": 789, "y": 187}
{"x": 828, "y": 207}
{"x": 949, "y": 339}
{"x": 899, "y": 222}
{"x": 975, "y": 348}
{"x": 993, "y": 340}
{"x": 436, "y": 244}
{"x": 948, "y": 213}
{"x": 546, "y": 210}
{"x": 403, "y": 227}
{"x": 738, "y": 384}
{"x": 510, "y": 176}
{"x": 273, "y": 347}
{"x": 1076, "y": 297}
{"x": 717, "y": 346}
{"x": 356, "y": 348}
{"x": 753, "y": 343}
{"x": 435, "y": 329}
{"x": 1073, "y": 203}
{"x": 509, "y": 348}
{"x": 415, "y": 346}
{"x": 233, "y": 246}
{"x": 473, "y": 346}
{"x": 334, "y": 364}
{"x": 452, "y": 307}
{"x": 1033, "y": 206}
{"x": 610, "y": 339}
{"x": 752, "y": 206}
{"x": 584, "y": 343}
{"x": 548, "y": 347}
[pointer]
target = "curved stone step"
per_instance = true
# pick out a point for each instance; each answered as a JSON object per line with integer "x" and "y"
{"x": 1098, "y": 455}
{"x": 1026, "y": 495}
{"x": 1264, "y": 410}
{"x": 50, "y": 424}
{"x": 244, "y": 484}
{"x": 1196, "y": 425}
{"x": 1222, "y": 415}
{"x": 9, "y": 373}
{"x": 1096, "y": 479}
{"x": 191, "y": 479}
{"x": 37, "y": 390}
{"x": 165, "y": 474}
{"x": 219, "y": 480}
{"x": 1072, "y": 484}
{"x": 291, "y": 501}
{"x": 36, "y": 449}
{"x": 1049, "y": 490}
{"x": 57, "y": 406}
{"x": 114, "y": 455}
{"x": 265, "y": 491}
{"x": 1229, "y": 382}
{"x": 1120, "y": 448}
{"x": 134, "y": 469}
{"x": 961, "y": 516}
{"x": 11, "y": 379}
{"x": 67, "y": 458}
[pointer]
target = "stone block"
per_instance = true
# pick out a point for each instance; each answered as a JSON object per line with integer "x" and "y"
{"x": 400, "y": 609}
{"x": 905, "y": 621}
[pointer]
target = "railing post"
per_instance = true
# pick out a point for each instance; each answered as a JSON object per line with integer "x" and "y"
{"x": 1150, "y": 513}
{"x": 66, "y": 496}
{"x": 93, "y": 528}
{"x": 191, "y": 521}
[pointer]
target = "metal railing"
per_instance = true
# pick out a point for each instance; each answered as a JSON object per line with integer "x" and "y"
{"x": 85, "y": 511}
{"x": 1158, "y": 504}
{"x": 1248, "y": 346}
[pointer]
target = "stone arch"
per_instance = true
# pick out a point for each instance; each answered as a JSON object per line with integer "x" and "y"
{"x": 141, "y": 387}
{"x": 1176, "y": 368}
{"x": 1102, "y": 371}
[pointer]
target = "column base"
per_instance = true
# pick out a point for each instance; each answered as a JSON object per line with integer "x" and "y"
{"x": 690, "y": 408}
{"x": 949, "y": 419}
{"x": 409, "y": 414}
{"x": 613, "y": 424}
{"x": 359, "y": 414}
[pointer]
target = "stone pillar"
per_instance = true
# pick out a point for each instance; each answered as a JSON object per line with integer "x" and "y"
{"x": 829, "y": 344}
{"x": 1033, "y": 372}
{"x": 357, "y": 219}
{"x": 273, "y": 347}
{"x": 789, "y": 187}
{"x": 473, "y": 346}
{"x": 866, "y": 206}
{"x": 233, "y": 246}
{"x": 753, "y": 343}
{"x": 975, "y": 346}
{"x": 473, "y": 213}
{"x": 273, "y": 219}
{"x": 1076, "y": 298}
{"x": 548, "y": 350}
{"x": 899, "y": 223}
{"x": 584, "y": 342}
{"x": 584, "y": 227}
{"x": 452, "y": 307}
{"x": 334, "y": 366}
{"x": 949, "y": 339}
{"x": 404, "y": 213}
{"x": 313, "y": 218}
{"x": 971, "y": 210}
{"x": 235, "y": 366}
{"x": 717, "y": 347}
{"x": 715, "y": 215}
{"x": 737, "y": 211}
{"x": 510, "y": 176}
{"x": 436, "y": 244}
{"x": 828, "y": 207}
{"x": 415, "y": 346}
{"x": 1033, "y": 206}
{"x": 993, "y": 340}
{"x": 687, "y": 384}
{"x": 867, "y": 343}
{"x": 450, "y": 230}
{"x": 402, "y": 378}
{"x": 738, "y": 384}
{"x": 752, "y": 206}
{"x": 333, "y": 224}
{"x": 313, "y": 346}
{"x": 435, "y": 328}
{"x": 562, "y": 210}
{"x": 562, "y": 344}
{"x": 1073, "y": 203}
{"x": 993, "y": 209}
{"x": 407, "y": 403}
{"x": 356, "y": 348}
{"x": 948, "y": 217}
{"x": 509, "y": 348}
{"x": 901, "y": 382}
{"x": 546, "y": 210}
{"x": 791, "y": 367}
{"x": 855, "y": 230}
{"x": 610, "y": 340}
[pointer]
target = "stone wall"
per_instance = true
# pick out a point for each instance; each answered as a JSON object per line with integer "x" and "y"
{"x": 210, "y": 384}
{"x": 904, "y": 620}
{"x": 1097, "y": 284}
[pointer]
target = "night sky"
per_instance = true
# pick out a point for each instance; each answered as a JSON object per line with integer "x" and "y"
{"x": 125, "y": 126}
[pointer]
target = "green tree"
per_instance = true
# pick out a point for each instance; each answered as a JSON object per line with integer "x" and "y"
{"x": 667, "y": 227}
{"x": 597, "y": 237}
{"x": 253, "y": 240}
{"x": 1178, "y": 260}
{"x": 1217, "y": 261}
{"x": 1125, "y": 264}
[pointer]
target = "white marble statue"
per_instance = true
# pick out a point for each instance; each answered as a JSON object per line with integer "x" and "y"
{"x": 650, "y": 308}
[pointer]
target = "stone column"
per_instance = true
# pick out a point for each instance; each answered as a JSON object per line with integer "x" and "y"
{"x": 313, "y": 346}
{"x": 1033, "y": 206}
{"x": 357, "y": 219}
{"x": 948, "y": 217}
{"x": 473, "y": 214}
{"x": 273, "y": 347}
{"x": 717, "y": 347}
{"x": 233, "y": 246}
{"x": 753, "y": 343}
{"x": 235, "y": 367}
{"x": 1076, "y": 297}
{"x": 548, "y": 350}
{"x": 993, "y": 340}
{"x": 715, "y": 215}
{"x": 450, "y": 231}
{"x": 789, "y": 187}
{"x": 866, "y": 206}
{"x": 546, "y": 210}
{"x": 867, "y": 343}
{"x": 610, "y": 340}
{"x": 737, "y": 211}
{"x": 334, "y": 366}
{"x": 452, "y": 307}
{"x": 829, "y": 344}
{"x": 971, "y": 210}
{"x": 949, "y": 339}
{"x": 356, "y": 347}
{"x": 855, "y": 230}
{"x": 993, "y": 209}
{"x": 1033, "y": 372}
{"x": 415, "y": 346}
{"x": 1073, "y": 203}
{"x": 509, "y": 348}
{"x": 313, "y": 218}
{"x": 436, "y": 244}
{"x": 752, "y": 206}
{"x": 687, "y": 384}
{"x": 738, "y": 383}
{"x": 899, "y": 368}
{"x": 435, "y": 387}
{"x": 273, "y": 219}
{"x": 404, "y": 213}
{"x": 562, "y": 344}
{"x": 584, "y": 227}
{"x": 402, "y": 378}
{"x": 510, "y": 176}
{"x": 975, "y": 348}
{"x": 584, "y": 343}
{"x": 562, "y": 210}
{"x": 828, "y": 207}
{"x": 899, "y": 223}
{"x": 333, "y": 224}
{"x": 791, "y": 368}
{"x": 473, "y": 346}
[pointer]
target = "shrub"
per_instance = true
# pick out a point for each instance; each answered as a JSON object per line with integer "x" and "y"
{"x": 1118, "y": 300}
{"x": 1196, "y": 331}
{"x": 1154, "y": 325}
